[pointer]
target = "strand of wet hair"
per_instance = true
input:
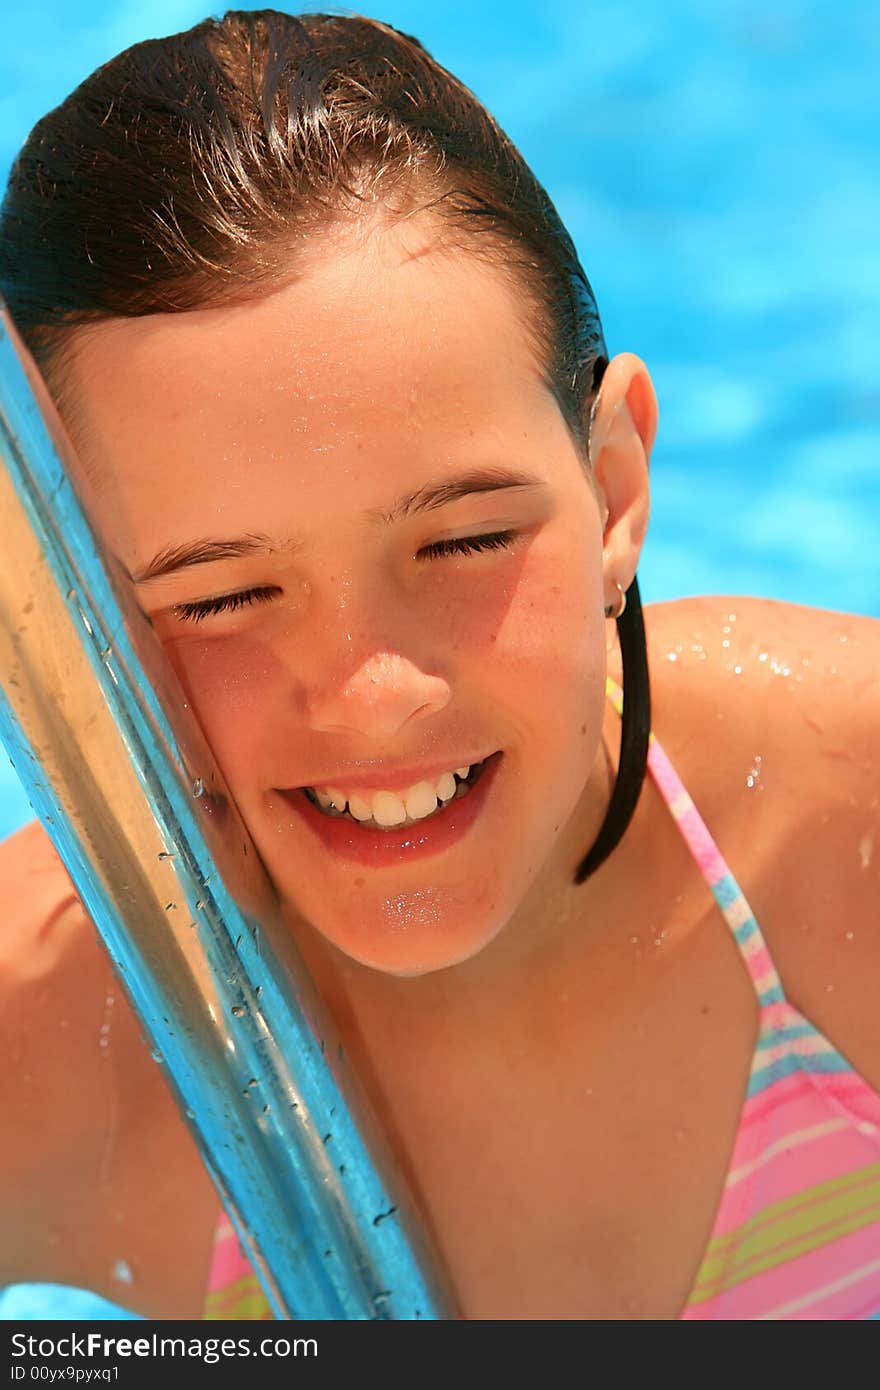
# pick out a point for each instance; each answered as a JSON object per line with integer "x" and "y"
{"x": 635, "y": 730}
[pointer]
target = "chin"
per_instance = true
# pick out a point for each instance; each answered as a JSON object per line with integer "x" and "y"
{"x": 408, "y": 936}
{"x": 411, "y": 964}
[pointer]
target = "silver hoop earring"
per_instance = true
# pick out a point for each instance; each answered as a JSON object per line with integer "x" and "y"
{"x": 615, "y": 610}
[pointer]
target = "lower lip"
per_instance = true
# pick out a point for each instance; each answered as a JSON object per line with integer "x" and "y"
{"x": 381, "y": 849}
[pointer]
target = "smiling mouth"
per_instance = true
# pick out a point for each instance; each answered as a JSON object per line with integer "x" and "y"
{"x": 463, "y": 787}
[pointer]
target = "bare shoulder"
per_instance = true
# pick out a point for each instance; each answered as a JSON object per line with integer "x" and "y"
{"x": 798, "y": 675}
{"x": 48, "y": 961}
{"x": 43, "y": 926}
{"x": 45, "y": 931}
{"x": 84, "y": 1106}
{"x": 771, "y": 712}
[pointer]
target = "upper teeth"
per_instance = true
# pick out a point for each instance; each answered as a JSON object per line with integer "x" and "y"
{"x": 389, "y": 808}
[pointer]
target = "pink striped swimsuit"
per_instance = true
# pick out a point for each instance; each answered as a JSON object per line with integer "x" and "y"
{"x": 797, "y": 1232}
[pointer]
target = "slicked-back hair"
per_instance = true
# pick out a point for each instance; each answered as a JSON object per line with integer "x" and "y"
{"x": 189, "y": 171}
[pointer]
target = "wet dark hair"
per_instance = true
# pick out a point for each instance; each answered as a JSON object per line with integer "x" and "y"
{"x": 188, "y": 170}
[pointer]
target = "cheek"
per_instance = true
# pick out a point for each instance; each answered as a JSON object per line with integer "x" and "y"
{"x": 229, "y": 684}
{"x": 551, "y": 657}
{"x": 538, "y": 624}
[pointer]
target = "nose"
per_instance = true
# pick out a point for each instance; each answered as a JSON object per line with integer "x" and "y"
{"x": 383, "y": 694}
{"x": 364, "y": 663}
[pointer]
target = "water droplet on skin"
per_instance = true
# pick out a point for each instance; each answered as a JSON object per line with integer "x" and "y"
{"x": 849, "y": 936}
{"x": 104, "y": 1030}
{"x": 779, "y": 668}
{"x": 671, "y": 656}
{"x": 866, "y": 850}
{"x": 726, "y": 642}
{"x": 198, "y": 788}
{"x": 122, "y": 1272}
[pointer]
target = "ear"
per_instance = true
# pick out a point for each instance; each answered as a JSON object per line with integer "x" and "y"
{"x": 623, "y": 424}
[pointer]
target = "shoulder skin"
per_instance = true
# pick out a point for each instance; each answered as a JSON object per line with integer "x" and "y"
{"x": 771, "y": 714}
{"x": 86, "y": 1111}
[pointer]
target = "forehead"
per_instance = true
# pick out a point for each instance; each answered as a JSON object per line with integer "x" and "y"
{"x": 389, "y": 345}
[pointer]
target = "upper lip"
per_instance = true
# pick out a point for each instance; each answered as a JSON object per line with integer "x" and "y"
{"x": 390, "y": 778}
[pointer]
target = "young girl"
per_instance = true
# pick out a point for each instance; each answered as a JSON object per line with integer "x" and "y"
{"x": 343, "y": 409}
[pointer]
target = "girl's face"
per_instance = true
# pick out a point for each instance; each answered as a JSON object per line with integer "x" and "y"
{"x": 370, "y": 549}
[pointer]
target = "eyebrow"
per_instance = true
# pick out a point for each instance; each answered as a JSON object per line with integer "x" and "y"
{"x": 203, "y": 552}
{"x": 428, "y": 498}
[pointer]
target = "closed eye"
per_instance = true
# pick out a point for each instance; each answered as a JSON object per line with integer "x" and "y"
{"x": 228, "y": 603}
{"x": 225, "y": 603}
{"x": 468, "y": 545}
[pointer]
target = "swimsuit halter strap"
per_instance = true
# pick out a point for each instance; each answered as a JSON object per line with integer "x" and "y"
{"x": 724, "y": 887}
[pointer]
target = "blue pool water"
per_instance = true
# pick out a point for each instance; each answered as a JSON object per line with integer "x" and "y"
{"x": 717, "y": 163}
